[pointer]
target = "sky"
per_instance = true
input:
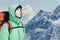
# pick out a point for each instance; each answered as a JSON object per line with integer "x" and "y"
{"x": 46, "y": 5}
{"x": 30, "y": 7}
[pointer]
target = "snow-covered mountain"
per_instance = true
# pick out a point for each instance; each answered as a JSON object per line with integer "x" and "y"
{"x": 38, "y": 25}
{"x": 56, "y": 13}
{"x": 43, "y": 26}
{"x": 39, "y": 21}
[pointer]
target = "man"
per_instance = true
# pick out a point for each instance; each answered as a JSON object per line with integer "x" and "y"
{"x": 16, "y": 30}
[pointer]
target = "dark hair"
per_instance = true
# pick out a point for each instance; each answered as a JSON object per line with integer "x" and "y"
{"x": 18, "y": 7}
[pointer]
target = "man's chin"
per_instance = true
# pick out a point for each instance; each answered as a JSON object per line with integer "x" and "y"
{"x": 19, "y": 17}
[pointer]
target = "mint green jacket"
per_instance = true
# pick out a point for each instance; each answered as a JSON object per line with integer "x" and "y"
{"x": 4, "y": 34}
{"x": 17, "y": 33}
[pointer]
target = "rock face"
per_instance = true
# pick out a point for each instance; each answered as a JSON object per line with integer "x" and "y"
{"x": 40, "y": 27}
{"x": 56, "y": 13}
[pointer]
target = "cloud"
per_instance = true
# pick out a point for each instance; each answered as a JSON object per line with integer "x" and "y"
{"x": 28, "y": 13}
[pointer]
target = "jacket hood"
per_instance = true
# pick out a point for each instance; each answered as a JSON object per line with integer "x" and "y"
{"x": 12, "y": 17}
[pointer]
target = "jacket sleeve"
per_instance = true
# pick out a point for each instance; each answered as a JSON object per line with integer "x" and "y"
{"x": 6, "y": 33}
{"x": 21, "y": 33}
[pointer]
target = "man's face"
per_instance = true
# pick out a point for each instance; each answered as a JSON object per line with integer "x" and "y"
{"x": 18, "y": 13}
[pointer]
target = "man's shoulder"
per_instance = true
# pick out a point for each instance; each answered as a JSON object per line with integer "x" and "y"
{"x": 12, "y": 23}
{"x": 5, "y": 24}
